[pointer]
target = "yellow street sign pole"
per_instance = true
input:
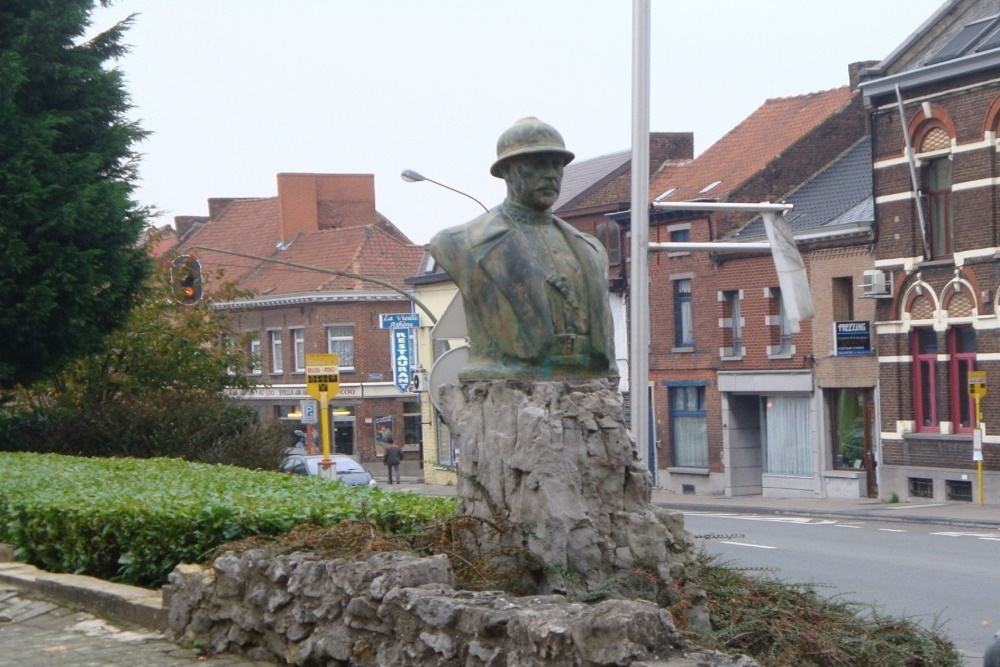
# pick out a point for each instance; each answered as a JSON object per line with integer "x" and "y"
{"x": 977, "y": 389}
{"x": 979, "y": 463}
{"x": 323, "y": 379}
{"x": 325, "y": 464}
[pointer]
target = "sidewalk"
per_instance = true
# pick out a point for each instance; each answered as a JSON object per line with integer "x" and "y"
{"x": 950, "y": 513}
{"x": 41, "y": 622}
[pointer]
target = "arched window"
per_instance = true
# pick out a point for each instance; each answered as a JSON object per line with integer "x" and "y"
{"x": 937, "y": 188}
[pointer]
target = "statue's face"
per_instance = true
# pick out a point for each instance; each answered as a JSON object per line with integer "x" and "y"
{"x": 534, "y": 180}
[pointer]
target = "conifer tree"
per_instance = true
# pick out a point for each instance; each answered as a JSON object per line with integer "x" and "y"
{"x": 70, "y": 261}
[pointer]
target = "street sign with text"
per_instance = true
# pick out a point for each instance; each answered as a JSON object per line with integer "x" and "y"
{"x": 399, "y": 320}
{"x": 322, "y": 375}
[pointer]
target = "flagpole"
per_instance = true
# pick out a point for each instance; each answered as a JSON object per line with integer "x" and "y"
{"x": 638, "y": 310}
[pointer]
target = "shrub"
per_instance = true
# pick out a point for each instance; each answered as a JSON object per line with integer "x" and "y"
{"x": 197, "y": 426}
{"x": 134, "y": 520}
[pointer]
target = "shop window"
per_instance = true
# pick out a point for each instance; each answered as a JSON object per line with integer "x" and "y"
{"x": 689, "y": 427}
{"x": 788, "y": 448}
{"x": 412, "y": 432}
{"x": 848, "y": 423}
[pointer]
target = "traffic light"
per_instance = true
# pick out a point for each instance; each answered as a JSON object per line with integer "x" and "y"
{"x": 185, "y": 278}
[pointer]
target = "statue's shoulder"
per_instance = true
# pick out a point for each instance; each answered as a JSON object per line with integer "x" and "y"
{"x": 470, "y": 234}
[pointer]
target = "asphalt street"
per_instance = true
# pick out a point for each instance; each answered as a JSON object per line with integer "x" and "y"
{"x": 934, "y": 574}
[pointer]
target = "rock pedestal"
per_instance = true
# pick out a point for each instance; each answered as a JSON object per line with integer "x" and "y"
{"x": 556, "y": 458}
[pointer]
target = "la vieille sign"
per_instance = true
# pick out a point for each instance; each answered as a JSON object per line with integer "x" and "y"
{"x": 402, "y": 325}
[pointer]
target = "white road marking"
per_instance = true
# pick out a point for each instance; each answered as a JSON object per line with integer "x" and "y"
{"x": 778, "y": 519}
{"x": 961, "y": 534}
{"x": 744, "y": 544}
{"x": 892, "y": 530}
{"x": 991, "y": 539}
{"x": 843, "y": 525}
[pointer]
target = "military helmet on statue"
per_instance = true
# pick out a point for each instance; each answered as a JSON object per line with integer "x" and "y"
{"x": 527, "y": 136}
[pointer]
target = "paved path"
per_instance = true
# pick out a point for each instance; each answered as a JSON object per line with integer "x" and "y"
{"x": 37, "y": 633}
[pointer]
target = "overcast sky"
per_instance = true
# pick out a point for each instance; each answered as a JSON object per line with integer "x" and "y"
{"x": 236, "y": 91}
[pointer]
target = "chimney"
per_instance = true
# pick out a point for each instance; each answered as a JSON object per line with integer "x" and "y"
{"x": 218, "y": 205}
{"x": 184, "y": 223}
{"x": 665, "y": 146}
{"x": 857, "y": 72}
{"x": 311, "y": 202}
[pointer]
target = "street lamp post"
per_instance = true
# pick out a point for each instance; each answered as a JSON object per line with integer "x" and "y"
{"x": 411, "y": 176}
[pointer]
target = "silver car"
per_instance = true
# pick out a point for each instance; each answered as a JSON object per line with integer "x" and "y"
{"x": 348, "y": 470}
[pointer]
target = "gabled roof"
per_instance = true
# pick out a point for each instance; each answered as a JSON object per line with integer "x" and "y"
{"x": 248, "y": 226}
{"x": 962, "y": 37}
{"x": 371, "y": 251}
{"x": 958, "y": 28}
{"x": 838, "y": 196}
{"x": 582, "y": 177}
{"x": 363, "y": 242}
{"x": 748, "y": 148}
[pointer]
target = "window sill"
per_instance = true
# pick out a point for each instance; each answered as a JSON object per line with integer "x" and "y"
{"x": 844, "y": 473}
{"x": 930, "y": 263}
{"x": 704, "y": 472}
{"x": 941, "y": 437}
{"x": 781, "y": 355}
{"x": 683, "y": 349}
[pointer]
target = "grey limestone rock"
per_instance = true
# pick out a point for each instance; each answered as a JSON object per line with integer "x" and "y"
{"x": 556, "y": 457}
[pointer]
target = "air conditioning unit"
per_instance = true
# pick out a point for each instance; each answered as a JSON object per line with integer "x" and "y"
{"x": 876, "y": 284}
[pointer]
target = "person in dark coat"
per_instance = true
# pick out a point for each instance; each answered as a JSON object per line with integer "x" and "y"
{"x": 392, "y": 458}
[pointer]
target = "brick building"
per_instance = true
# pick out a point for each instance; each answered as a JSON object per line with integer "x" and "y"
{"x": 935, "y": 115}
{"x": 734, "y": 392}
{"x": 328, "y": 221}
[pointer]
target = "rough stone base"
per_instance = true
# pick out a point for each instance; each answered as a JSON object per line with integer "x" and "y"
{"x": 396, "y": 609}
{"x": 556, "y": 458}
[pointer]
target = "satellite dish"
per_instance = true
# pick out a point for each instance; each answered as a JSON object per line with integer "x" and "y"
{"x": 445, "y": 371}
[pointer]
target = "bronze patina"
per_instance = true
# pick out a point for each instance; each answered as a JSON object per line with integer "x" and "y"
{"x": 535, "y": 288}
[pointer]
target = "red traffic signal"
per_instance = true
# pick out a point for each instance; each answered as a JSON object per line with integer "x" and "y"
{"x": 185, "y": 279}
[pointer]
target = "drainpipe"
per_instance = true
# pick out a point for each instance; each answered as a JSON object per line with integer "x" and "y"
{"x": 911, "y": 160}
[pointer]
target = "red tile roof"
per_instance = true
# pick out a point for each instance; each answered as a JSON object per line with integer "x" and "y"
{"x": 373, "y": 248}
{"x": 749, "y": 147}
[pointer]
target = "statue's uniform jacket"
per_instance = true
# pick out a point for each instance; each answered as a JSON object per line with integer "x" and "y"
{"x": 507, "y": 305}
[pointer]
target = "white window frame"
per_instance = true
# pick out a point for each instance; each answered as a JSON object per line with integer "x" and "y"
{"x": 299, "y": 349}
{"x": 331, "y": 339}
{"x": 735, "y": 322}
{"x": 784, "y": 349}
{"x": 277, "y": 360}
{"x": 255, "y": 359}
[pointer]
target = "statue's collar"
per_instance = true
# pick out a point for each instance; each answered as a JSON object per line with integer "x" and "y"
{"x": 523, "y": 215}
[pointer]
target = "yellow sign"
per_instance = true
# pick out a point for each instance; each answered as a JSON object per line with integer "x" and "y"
{"x": 322, "y": 375}
{"x": 977, "y": 383}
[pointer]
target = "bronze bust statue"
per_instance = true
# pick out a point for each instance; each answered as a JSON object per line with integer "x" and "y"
{"x": 535, "y": 288}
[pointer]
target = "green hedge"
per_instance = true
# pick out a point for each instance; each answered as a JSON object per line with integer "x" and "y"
{"x": 133, "y": 520}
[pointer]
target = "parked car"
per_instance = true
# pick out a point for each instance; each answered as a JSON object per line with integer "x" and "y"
{"x": 348, "y": 470}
